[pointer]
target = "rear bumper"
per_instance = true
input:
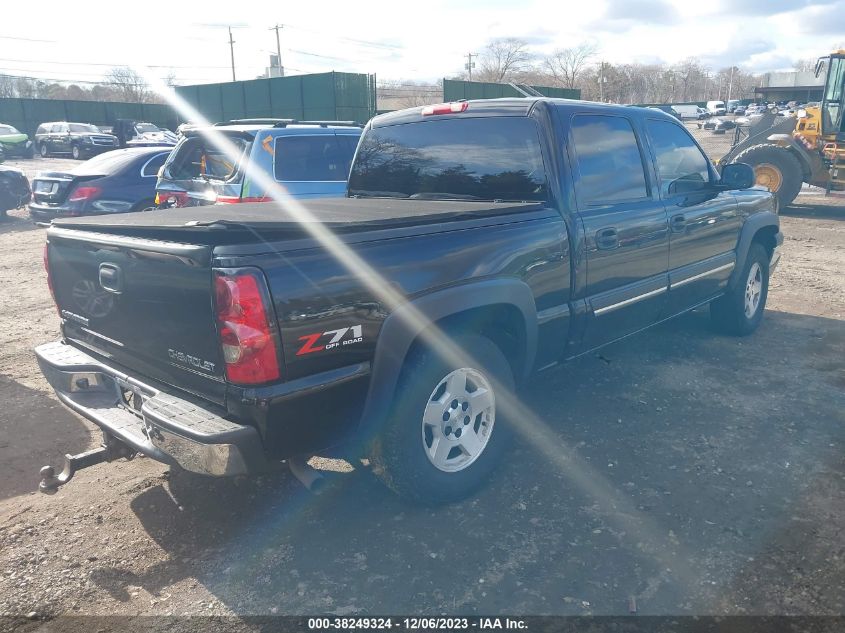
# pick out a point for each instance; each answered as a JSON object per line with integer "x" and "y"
{"x": 165, "y": 427}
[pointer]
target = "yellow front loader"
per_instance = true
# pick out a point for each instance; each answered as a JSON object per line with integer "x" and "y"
{"x": 786, "y": 152}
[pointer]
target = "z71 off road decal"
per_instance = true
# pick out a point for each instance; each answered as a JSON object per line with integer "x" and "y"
{"x": 336, "y": 340}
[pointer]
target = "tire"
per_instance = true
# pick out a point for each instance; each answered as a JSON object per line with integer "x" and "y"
{"x": 76, "y": 152}
{"x": 400, "y": 455}
{"x": 144, "y": 205}
{"x": 779, "y": 163}
{"x": 30, "y": 153}
{"x": 42, "y": 149}
{"x": 736, "y": 312}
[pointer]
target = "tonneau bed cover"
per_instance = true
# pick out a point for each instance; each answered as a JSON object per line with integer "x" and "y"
{"x": 339, "y": 214}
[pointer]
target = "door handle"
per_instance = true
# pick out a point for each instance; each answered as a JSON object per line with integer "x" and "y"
{"x": 678, "y": 223}
{"x": 607, "y": 239}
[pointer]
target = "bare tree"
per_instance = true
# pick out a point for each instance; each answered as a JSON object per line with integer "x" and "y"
{"x": 8, "y": 86}
{"x": 806, "y": 65}
{"x": 503, "y": 59}
{"x": 130, "y": 86}
{"x": 567, "y": 65}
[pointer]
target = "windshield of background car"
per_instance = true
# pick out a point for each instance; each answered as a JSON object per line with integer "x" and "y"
{"x": 8, "y": 129}
{"x": 82, "y": 128}
{"x": 324, "y": 157}
{"x": 142, "y": 128}
{"x": 196, "y": 158}
{"x": 481, "y": 158}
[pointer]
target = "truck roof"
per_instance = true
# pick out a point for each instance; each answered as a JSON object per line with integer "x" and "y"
{"x": 509, "y": 106}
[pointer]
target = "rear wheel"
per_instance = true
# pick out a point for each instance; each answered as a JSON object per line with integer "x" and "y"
{"x": 76, "y": 152}
{"x": 445, "y": 434}
{"x": 777, "y": 169}
{"x": 740, "y": 310}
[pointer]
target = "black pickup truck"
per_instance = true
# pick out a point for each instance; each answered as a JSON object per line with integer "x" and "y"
{"x": 478, "y": 242}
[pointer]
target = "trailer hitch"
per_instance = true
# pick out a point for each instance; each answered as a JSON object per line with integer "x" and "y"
{"x": 110, "y": 450}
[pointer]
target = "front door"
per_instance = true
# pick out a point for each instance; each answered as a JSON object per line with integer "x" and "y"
{"x": 704, "y": 222}
{"x": 625, "y": 226}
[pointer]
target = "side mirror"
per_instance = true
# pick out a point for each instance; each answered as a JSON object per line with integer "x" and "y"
{"x": 737, "y": 176}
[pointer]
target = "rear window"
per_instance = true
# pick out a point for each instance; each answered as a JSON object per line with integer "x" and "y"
{"x": 196, "y": 158}
{"x": 108, "y": 163}
{"x": 481, "y": 158}
{"x": 610, "y": 166}
{"x": 8, "y": 129}
{"x": 311, "y": 158}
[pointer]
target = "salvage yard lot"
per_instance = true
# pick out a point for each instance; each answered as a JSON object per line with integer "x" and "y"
{"x": 697, "y": 474}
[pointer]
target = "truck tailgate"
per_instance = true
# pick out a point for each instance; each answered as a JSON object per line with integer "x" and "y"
{"x": 141, "y": 303}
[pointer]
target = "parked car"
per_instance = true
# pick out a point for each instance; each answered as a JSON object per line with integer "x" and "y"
{"x": 14, "y": 190}
{"x": 311, "y": 160}
{"x": 131, "y": 133}
{"x": 732, "y": 105}
{"x": 80, "y": 140}
{"x": 115, "y": 182}
{"x": 528, "y": 230}
{"x": 716, "y": 108}
{"x": 668, "y": 109}
{"x": 685, "y": 112}
{"x": 14, "y": 142}
{"x": 703, "y": 114}
{"x": 740, "y": 110}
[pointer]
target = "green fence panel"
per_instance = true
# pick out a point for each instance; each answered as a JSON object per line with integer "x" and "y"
{"x": 322, "y": 96}
{"x": 286, "y": 97}
{"x": 257, "y": 98}
{"x": 318, "y": 97}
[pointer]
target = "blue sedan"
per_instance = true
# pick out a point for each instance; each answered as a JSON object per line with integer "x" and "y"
{"x": 115, "y": 182}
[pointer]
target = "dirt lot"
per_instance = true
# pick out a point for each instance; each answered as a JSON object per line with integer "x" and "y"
{"x": 698, "y": 474}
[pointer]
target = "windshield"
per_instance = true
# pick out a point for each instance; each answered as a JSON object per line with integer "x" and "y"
{"x": 8, "y": 129}
{"x": 83, "y": 128}
{"x": 477, "y": 159}
{"x": 143, "y": 128}
{"x": 833, "y": 95}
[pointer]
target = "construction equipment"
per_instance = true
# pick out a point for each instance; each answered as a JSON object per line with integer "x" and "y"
{"x": 786, "y": 152}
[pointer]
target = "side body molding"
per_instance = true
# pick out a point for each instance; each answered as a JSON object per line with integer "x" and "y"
{"x": 403, "y": 326}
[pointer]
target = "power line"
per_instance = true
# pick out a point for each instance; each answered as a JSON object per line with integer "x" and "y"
{"x": 63, "y": 63}
{"x": 26, "y": 39}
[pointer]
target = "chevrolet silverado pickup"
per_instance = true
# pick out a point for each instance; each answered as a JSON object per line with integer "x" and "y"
{"x": 522, "y": 232}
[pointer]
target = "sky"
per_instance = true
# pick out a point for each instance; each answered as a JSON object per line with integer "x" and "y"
{"x": 420, "y": 41}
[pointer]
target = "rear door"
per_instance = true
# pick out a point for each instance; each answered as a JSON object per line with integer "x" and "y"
{"x": 625, "y": 226}
{"x": 704, "y": 223}
{"x": 143, "y": 304}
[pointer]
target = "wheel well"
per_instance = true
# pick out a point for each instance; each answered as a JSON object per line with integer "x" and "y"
{"x": 766, "y": 237}
{"x": 501, "y": 323}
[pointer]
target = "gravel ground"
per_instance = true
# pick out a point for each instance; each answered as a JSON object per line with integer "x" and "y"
{"x": 688, "y": 472}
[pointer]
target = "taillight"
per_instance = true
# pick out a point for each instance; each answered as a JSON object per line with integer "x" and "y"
{"x": 172, "y": 199}
{"x": 49, "y": 280}
{"x": 446, "y": 108}
{"x": 84, "y": 193}
{"x": 248, "y": 340}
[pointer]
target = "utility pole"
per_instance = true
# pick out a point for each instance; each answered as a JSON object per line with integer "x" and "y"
{"x": 470, "y": 64}
{"x": 232, "y": 52}
{"x": 279, "y": 48}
